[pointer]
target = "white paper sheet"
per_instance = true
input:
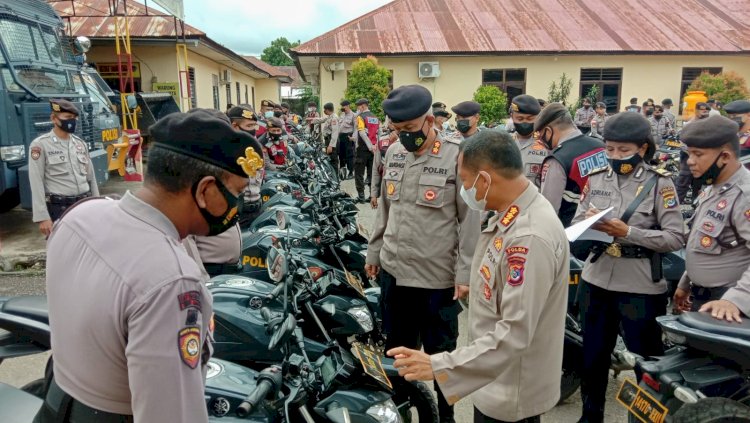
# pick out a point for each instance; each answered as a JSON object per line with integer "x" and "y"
{"x": 582, "y": 230}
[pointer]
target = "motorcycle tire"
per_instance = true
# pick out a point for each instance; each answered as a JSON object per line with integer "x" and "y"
{"x": 569, "y": 383}
{"x": 713, "y": 410}
{"x": 421, "y": 400}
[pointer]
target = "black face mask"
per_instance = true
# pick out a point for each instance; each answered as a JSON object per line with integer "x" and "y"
{"x": 625, "y": 166}
{"x": 463, "y": 125}
{"x": 251, "y": 132}
{"x": 658, "y": 117}
{"x": 412, "y": 140}
{"x": 524, "y": 129}
{"x": 277, "y": 114}
{"x": 649, "y": 112}
{"x": 274, "y": 137}
{"x": 713, "y": 172}
{"x": 547, "y": 142}
{"x": 220, "y": 224}
{"x": 68, "y": 125}
{"x": 586, "y": 106}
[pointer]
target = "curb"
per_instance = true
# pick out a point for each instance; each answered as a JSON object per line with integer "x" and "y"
{"x": 23, "y": 263}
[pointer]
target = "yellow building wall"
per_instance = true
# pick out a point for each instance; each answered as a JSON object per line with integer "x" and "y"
{"x": 157, "y": 63}
{"x": 657, "y": 77}
{"x": 267, "y": 89}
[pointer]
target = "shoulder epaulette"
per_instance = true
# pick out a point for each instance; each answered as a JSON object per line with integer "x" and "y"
{"x": 663, "y": 172}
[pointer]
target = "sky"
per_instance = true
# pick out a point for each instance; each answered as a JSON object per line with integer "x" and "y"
{"x": 249, "y": 26}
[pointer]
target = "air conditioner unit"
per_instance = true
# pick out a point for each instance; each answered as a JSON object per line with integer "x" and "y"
{"x": 429, "y": 69}
{"x": 226, "y": 77}
{"x": 336, "y": 66}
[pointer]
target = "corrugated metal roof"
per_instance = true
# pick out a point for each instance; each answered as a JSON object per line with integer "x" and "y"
{"x": 541, "y": 26}
{"x": 269, "y": 69}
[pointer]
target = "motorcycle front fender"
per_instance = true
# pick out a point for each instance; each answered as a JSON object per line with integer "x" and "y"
{"x": 356, "y": 401}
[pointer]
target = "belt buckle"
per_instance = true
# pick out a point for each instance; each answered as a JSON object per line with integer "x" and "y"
{"x": 614, "y": 250}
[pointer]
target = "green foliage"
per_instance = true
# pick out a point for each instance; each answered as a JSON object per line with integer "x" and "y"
{"x": 559, "y": 91}
{"x": 274, "y": 54}
{"x": 494, "y": 104}
{"x": 724, "y": 87}
{"x": 591, "y": 95}
{"x": 306, "y": 97}
{"x": 368, "y": 80}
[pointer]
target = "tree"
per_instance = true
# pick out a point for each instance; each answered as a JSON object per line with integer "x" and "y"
{"x": 368, "y": 80}
{"x": 275, "y": 53}
{"x": 591, "y": 95}
{"x": 494, "y": 104}
{"x": 724, "y": 87}
{"x": 559, "y": 91}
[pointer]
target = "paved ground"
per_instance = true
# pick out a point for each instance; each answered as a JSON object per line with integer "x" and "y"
{"x": 19, "y": 236}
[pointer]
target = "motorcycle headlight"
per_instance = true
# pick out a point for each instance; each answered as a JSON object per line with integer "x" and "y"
{"x": 363, "y": 317}
{"x": 384, "y": 412}
{"x": 12, "y": 153}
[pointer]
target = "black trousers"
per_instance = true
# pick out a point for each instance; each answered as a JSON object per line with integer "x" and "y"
{"x": 346, "y": 152}
{"x": 584, "y": 129}
{"x": 700, "y": 295}
{"x": 59, "y": 407}
{"x": 362, "y": 164}
{"x": 479, "y": 417}
{"x": 604, "y": 313}
{"x": 416, "y": 317}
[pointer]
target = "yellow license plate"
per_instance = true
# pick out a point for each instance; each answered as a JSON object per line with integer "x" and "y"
{"x": 673, "y": 143}
{"x": 371, "y": 363}
{"x": 355, "y": 283}
{"x": 640, "y": 403}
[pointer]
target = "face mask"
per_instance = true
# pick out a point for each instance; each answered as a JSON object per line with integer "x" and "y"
{"x": 310, "y": 109}
{"x": 586, "y": 106}
{"x": 470, "y": 196}
{"x": 649, "y": 112}
{"x": 251, "y": 132}
{"x": 68, "y": 125}
{"x": 268, "y": 114}
{"x": 544, "y": 140}
{"x": 713, "y": 172}
{"x": 626, "y": 165}
{"x": 524, "y": 129}
{"x": 220, "y": 224}
{"x": 277, "y": 114}
{"x": 658, "y": 117}
{"x": 274, "y": 137}
{"x": 463, "y": 125}
{"x": 412, "y": 140}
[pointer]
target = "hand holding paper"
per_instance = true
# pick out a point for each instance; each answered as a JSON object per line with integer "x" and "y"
{"x": 583, "y": 230}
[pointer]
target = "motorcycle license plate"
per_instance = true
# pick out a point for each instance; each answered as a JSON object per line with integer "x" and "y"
{"x": 640, "y": 403}
{"x": 371, "y": 363}
{"x": 673, "y": 143}
{"x": 355, "y": 283}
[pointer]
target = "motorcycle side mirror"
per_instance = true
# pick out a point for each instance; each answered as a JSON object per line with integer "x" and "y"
{"x": 277, "y": 265}
{"x": 307, "y": 204}
{"x": 313, "y": 188}
{"x": 281, "y": 220}
{"x": 283, "y": 332}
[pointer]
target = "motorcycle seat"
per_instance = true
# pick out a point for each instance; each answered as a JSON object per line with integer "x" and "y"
{"x": 707, "y": 323}
{"x": 17, "y": 406}
{"x": 31, "y": 306}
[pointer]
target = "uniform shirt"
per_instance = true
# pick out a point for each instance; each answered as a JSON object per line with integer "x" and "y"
{"x": 597, "y": 126}
{"x": 670, "y": 116}
{"x": 583, "y": 116}
{"x": 553, "y": 187}
{"x": 633, "y": 108}
{"x": 532, "y": 154}
{"x": 518, "y": 301}
{"x": 660, "y": 207}
{"x": 424, "y": 234}
{"x": 347, "y": 123}
{"x": 659, "y": 129}
{"x": 377, "y": 178}
{"x": 60, "y": 167}
{"x": 709, "y": 264}
{"x": 129, "y": 313}
{"x": 329, "y": 125}
{"x": 224, "y": 248}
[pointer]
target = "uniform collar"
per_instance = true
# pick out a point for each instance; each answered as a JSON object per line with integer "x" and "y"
{"x": 570, "y": 136}
{"x": 505, "y": 219}
{"x": 146, "y": 213}
{"x": 638, "y": 175}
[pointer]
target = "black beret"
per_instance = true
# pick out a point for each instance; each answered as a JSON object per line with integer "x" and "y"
{"x": 667, "y": 102}
{"x": 627, "y": 127}
{"x": 601, "y": 105}
{"x": 439, "y": 105}
{"x": 525, "y": 104}
{"x": 211, "y": 112}
{"x": 466, "y": 108}
{"x": 362, "y": 101}
{"x": 711, "y": 132}
{"x": 207, "y": 138}
{"x": 345, "y": 103}
{"x": 59, "y": 105}
{"x": 328, "y": 106}
{"x": 549, "y": 114}
{"x": 284, "y": 105}
{"x": 241, "y": 112}
{"x": 542, "y": 102}
{"x": 274, "y": 122}
{"x": 267, "y": 103}
{"x": 701, "y": 105}
{"x": 737, "y": 107}
{"x": 407, "y": 102}
{"x": 442, "y": 113}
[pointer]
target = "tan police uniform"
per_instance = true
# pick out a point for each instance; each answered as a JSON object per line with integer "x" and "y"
{"x": 518, "y": 301}
{"x": 660, "y": 128}
{"x": 532, "y": 154}
{"x": 597, "y": 126}
{"x": 328, "y": 128}
{"x": 717, "y": 254}
{"x": 220, "y": 254}
{"x": 142, "y": 295}
{"x": 606, "y": 189}
{"x": 59, "y": 168}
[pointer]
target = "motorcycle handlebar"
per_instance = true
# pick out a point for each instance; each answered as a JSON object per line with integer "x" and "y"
{"x": 276, "y": 291}
{"x": 311, "y": 233}
{"x": 255, "y": 397}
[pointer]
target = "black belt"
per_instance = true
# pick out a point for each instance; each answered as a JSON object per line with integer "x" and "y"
{"x": 60, "y": 407}
{"x": 215, "y": 269}
{"x": 704, "y": 293}
{"x": 67, "y": 200}
{"x": 623, "y": 251}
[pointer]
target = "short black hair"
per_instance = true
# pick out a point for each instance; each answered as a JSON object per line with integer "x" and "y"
{"x": 175, "y": 172}
{"x": 634, "y": 100}
{"x": 496, "y": 149}
{"x": 658, "y": 107}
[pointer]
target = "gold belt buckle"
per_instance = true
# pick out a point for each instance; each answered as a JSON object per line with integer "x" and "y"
{"x": 614, "y": 250}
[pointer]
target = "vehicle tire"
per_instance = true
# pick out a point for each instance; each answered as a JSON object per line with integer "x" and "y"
{"x": 9, "y": 199}
{"x": 569, "y": 383}
{"x": 713, "y": 410}
{"x": 416, "y": 397}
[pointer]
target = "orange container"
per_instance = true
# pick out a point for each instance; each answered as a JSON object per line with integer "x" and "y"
{"x": 688, "y": 103}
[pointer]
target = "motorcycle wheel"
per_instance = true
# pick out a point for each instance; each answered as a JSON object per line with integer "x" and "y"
{"x": 713, "y": 410}
{"x": 416, "y": 397}
{"x": 569, "y": 383}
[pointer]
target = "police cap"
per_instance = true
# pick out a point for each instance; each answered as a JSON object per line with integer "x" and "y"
{"x": 441, "y": 113}
{"x": 207, "y": 138}
{"x": 267, "y": 103}
{"x": 284, "y": 105}
{"x": 549, "y": 114}
{"x": 407, "y": 102}
{"x": 466, "y": 108}
{"x": 328, "y": 106}
{"x": 712, "y": 132}
{"x": 362, "y": 101}
{"x": 525, "y": 104}
{"x": 241, "y": 112}
{"x": 627, "y": 127}
{"x": 61, "y": 106}
{"x": 738, "y": 107}
{"x": 439, "y": 105}
{"x": 345, "y": 103}
{"x": 274, "y": 122}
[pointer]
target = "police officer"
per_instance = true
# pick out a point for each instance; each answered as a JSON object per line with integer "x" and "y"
{"x": 739, "y": 112}
{"x": 624, "y": 289}
{"x": 701, "y": 112}
{"x": 243, "y": 119}
{"x": 368, "y": 131}
{"x": 633, "y": 106}
{"x": 583, "y": 117}
{"x": 574, "y": 156}
{"x": 128, "y": 311}
{"x": 347, "y": 126}
{"x": 266, "y": 112}
{"x": 60, "y": 169}
{"x": 390, "y": 136}
{"x": 424, "y": 234}
{"x": 599, "y": 121}
{"x": 524, "y": 109}
{"x": 275, "y": 148}
{"x": 467, "y": 117}
{"x": 717, "y": 261}
{"x": 329, "y": 129}
{"x": 666, "y": 104}
{"x": 518, "y": 296}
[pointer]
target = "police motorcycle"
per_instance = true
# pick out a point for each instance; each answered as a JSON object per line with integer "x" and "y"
{"x": 330, "y": 312}
{"x": 334, "y": 384}
{"x": 703, "y": 378}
